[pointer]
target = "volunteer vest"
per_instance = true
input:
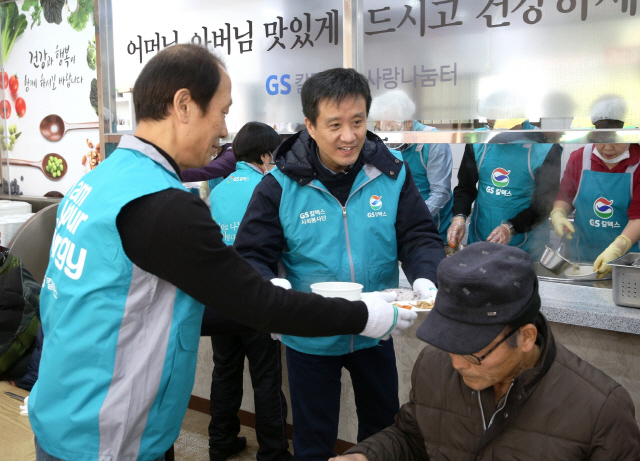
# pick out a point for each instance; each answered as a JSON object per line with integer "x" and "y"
{"x": 417, "y": 157}
{"x": 213, "y": 183}
{"x": 506, "y": 182}
{"x": 601, "y": 203}
{"x": 229, "y": 200}
{"x": 120, "y": 344}
{"x": 326, "y": 242}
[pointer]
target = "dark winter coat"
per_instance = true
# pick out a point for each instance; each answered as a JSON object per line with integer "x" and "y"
{"x": 19, "y": 309}
{"x": 562, "y": 409}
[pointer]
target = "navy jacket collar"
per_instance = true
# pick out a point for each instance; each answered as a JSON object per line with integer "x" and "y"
{"x": 293, "y": 157}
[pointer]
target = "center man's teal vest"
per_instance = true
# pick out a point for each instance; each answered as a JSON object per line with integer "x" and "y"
{"x": 327, "y": 242}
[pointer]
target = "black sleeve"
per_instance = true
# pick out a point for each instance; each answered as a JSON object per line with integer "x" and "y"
{"x": 420, "y": 248}
{"x": 547, "y": 182}
{"x": 261, "y": 223}
{"x": 216, "y": 324}
{"x": 171, "y": 234}
{"x": 466, "y": 191}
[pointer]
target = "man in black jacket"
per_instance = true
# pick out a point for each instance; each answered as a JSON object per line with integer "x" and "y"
{"x": 339, "y": 206}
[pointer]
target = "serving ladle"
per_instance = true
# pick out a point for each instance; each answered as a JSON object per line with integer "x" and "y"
{"x": 42, "y": 165}
{"x": 556, "y": 260}
{"x": 53, "y": 127}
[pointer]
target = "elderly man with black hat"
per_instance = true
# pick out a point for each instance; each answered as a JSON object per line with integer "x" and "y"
{"x": 494, "y": 384}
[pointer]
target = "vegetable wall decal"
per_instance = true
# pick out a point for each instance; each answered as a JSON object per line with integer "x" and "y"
{"x": 52, "y": 10}
{"x": 79, "y": 18}
{"x": 91, "y": 54}
{"x": 13, "y": 25}
{"x": 93, "y": 95}
{"x": 35, "y": 14}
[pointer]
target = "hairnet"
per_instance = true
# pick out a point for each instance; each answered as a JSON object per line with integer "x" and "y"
{"x": 393, "y": 105}
{"x": 501, "y": 105}
{"x": 608, "y": 107}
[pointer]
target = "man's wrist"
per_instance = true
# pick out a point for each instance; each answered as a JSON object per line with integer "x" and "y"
{"x": 509, "y": 226}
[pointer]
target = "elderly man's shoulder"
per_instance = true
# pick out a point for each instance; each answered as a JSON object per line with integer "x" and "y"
{"x": 431, "y": 362}
{"x": 568, "y": 367}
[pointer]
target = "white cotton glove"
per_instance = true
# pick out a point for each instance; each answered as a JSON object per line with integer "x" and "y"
{"x": 282, "y": 283}
{"x": 24, "y": 409}
{"x": 425, "y": 288}
{"x": 384, "y": 318}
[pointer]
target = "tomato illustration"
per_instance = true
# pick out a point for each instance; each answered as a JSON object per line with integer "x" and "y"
{"x": 4, "y": 79}
{"x": 5, "y": 109}
{"x": 21, "y": 107}
{"x": 13, "y": 85}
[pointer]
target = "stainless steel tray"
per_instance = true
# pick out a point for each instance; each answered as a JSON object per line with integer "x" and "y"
{"x": 626, "y": 281}
{"x": 587, "y": 277}
{"x": 547, "y": 276}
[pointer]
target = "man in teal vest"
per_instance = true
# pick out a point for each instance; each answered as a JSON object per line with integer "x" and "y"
{"x": 513, "y": 183}
{"x": 339, "y": 206}
{"x": 134, "y": 259}
{"x": 253, "y": 147}
{"x": 430, "y": 164}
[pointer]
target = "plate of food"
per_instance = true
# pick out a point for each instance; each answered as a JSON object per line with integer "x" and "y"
{"x": 416, "y": 306}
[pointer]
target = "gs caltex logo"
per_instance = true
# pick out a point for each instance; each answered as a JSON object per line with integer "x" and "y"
{"x": 500, "y": 177}
{"x": 375, "y": 202}
{"x": 602, "y": 208}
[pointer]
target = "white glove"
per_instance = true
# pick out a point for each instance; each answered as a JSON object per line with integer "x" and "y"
{"x": 425, "y": 288}
{"x": 384, "y": 318}
{"x": 282, "y": 283}
{"x": 24, "y": 409}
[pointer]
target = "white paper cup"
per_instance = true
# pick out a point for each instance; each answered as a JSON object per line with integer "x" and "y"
{"x": 346, "y": 290}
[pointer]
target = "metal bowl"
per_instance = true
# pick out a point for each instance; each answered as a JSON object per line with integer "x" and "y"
{"x": 553, "y": 261}
{"x": 450, "y": 251}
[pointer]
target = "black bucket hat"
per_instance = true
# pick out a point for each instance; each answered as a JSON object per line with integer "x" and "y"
{"x": 481, "y": 289}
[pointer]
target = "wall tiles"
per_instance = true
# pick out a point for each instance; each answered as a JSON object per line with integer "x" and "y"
{"x": 202, "y": 384}
{"x": 348, "y": 425}
{"x": 205, "y": 352}
{"x": 598, "y": 347}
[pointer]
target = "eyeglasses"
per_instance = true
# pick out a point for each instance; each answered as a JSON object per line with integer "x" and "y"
{"x": 389, "y": 125}
{"x": 271, "y": 162}
{"x": 478, "y": 360}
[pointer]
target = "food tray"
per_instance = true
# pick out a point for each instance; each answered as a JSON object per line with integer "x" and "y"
{"x": 413, "y": 305}
{"x": 590, "y": 275}
{"x": 626, "y": 281}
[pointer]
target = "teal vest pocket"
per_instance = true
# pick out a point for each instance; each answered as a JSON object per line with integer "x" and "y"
{"x": 302, "y": 281}
{"x": 382, "y": 276}
{"x": 178, "y": 391}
